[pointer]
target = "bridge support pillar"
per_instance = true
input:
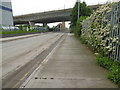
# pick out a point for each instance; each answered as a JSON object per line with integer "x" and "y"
{"x": 32, "y": 23}
{"x": 63, "y": 27}
{"x": 44, "y": 24}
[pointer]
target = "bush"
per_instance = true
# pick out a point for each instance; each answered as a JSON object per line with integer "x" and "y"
{"x": 112, "y": 66}
{"x": 79, "y": 26}
{"x": 83, "y": 40}
{"x": 104, "y": 62}
{"x": 114, "y": 75}
{"x": 72, "y": 29}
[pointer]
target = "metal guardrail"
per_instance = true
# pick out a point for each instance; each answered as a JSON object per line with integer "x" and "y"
{"x": 9, "y": 28}
{"x": 25, "y": 28}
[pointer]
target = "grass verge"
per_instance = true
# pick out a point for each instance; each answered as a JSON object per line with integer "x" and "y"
{"x": 16, "y": 32}
{"x": 112, "y": 66}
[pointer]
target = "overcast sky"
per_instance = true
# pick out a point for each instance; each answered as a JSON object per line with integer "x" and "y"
{"x": 31, "y": 6}
{"x": 21, "y": 7}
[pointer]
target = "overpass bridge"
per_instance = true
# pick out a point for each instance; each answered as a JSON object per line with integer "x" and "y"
{"x": 46, "y": 17}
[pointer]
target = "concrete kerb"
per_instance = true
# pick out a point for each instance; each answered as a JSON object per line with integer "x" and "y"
{"x": 18, "y": 37}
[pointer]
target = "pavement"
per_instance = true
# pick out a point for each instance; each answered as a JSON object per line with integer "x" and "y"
{"x": 70, "y": 65}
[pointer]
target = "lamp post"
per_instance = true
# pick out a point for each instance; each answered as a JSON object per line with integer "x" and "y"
{"x": 78, "y": 8}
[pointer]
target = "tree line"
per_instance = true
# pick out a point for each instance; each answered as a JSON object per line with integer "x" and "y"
{"x": 75, "y": 25}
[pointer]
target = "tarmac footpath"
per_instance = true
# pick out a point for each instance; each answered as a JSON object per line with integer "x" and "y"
{"x": 70, "y": 65}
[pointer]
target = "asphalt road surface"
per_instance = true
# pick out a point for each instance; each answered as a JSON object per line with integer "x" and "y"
{"x": 23, "y": 55}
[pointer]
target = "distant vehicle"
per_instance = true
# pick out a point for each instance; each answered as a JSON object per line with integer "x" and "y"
{"x": 39, "y": 28}
{"x": 9, "y": 28}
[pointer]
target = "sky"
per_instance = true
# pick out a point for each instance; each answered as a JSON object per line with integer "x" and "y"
{"x": 21, "y": 7}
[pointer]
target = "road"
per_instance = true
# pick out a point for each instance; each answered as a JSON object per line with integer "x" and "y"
{"x": 51, "y": 60}
{"x": 19, "y": 54}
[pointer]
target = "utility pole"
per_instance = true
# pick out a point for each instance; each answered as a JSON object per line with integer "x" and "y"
{"x": 78, "y": 8}
{"x": 64, "y": 7}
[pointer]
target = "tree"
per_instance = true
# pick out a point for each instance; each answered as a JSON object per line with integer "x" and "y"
{"x": 84, "y": 11}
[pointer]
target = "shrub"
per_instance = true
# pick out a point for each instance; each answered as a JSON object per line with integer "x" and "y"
{"x": 114, "y": 74}
{"x": 104, "y": 62}
{"x": 112, "y": 66}
{"x": 79, "y": 26}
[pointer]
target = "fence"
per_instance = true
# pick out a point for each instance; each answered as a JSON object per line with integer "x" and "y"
{"x": 115, "y": 31}
{"x": 24, "y": 28}
{"x": 102, "y": 30}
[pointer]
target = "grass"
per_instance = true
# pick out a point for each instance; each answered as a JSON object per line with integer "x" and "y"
{"x": 16, "y": 32}
{"x": 112, "y": 66}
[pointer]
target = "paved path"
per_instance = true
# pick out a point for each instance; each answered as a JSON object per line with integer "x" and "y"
{"x": 70, "y": 65}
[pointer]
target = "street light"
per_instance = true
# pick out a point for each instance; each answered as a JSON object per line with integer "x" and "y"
{"x": 78, "y": 8}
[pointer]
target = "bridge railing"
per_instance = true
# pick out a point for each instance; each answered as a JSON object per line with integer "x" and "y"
{"x": 9, "y": 28}
{"x": 22, "y": 28}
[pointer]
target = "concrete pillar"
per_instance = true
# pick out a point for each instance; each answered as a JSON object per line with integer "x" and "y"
{"x": 63, "y": 26}
{"x": 32, "y": 23}
{"x": 44, "y": 24}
